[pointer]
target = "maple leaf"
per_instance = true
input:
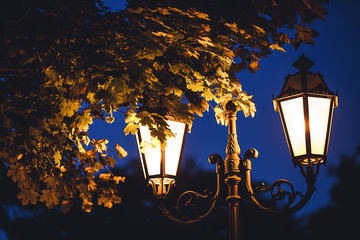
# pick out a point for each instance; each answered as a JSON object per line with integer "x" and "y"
{"x": 277, "y": 47}
{"x": 162, "y": 34}
{"x": 100, "y": 145}
{"x": 205, "y": 41}
{"x": 120, "y": 151}
{"x": 174, "y": 90}
{"x": 83, "y": 121}
{"x": 195, "y": 87}
{"x": 259, "y": 29}
{"x": 57, "y": 158}
{"x": 66, "y": 205}
{"x": 220, "y": 115}
{"x": 51, "y": 182}
{"x": 105, "y": 176}
{"x": 69, "y": 107}
{"x": 28, "y": 195}
{"x": 109, "y": 119}
{"x": 50, "y": 198}
{"x": 254, "y": 66}
{"x": 232, "y": 26}
{"x": 98, "y": 166}
{"x": 201, "y": 15}
{"x": 131, "y": 127}
{"x": 85, "y": 140}
{"x": 117, "y": 179}
{"x": 108, "y": 200}
{"x": 16, "y": 172}
{"x": 91, "y": 185}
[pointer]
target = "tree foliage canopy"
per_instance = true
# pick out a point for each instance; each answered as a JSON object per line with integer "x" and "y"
{"x": 67, "y": 62}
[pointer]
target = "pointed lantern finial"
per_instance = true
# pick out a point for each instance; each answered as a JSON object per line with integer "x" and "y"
{"x": 303, "y": 63}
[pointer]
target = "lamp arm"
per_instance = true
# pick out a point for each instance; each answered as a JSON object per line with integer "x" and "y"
{"x": 276, "y": 190}
{"x": 187, "y": 209}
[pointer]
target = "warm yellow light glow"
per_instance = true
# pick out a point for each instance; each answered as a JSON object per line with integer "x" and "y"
{"x": 155, "y": 163}
{"x": 293, "y": 111}
{"x": 152, "y": 155}
{"x": 319, "y": 109}
{"x": 173, "y": 147}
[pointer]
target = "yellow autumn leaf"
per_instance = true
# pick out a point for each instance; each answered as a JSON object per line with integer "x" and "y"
{"x": 205, "y": 41}
{"x": 117, "y": 179}
{"x": 57, "y": 158}
{"x": 195, "y": 87}
{"x": 277, "y": 47}
{"x": 51, "y": 182}
{"x": 105, "y": 176}
{"x": 233, "y": 26}
{"x": 91, "y": 185}
{"x": 68, "y": 108}
{"x": 201, "y": 15}
{"x": 254, "y": 66}
{"x": 109, "y": 119}
{"x": 220, "y": 115}
{"x": 120, "y": 151}
{"x": 259, "y": 29}
{"x": 50, "y": 198}
{"x": 108, "y": 200}
{"x": 162, "y": 34}
{"x": 100, "y": 145}
{"x": 131, "y": 127}
{"x": 28, "y": 195}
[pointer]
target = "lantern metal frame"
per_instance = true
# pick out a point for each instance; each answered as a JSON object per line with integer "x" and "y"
{"x": 237, "y": 171}
{"x": 308, "y": 157}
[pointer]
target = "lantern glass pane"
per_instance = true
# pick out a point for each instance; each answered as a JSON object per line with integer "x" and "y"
{"x": 152, "y": 155}
{"x": 319, "y": 109}
{"x": 173, "y": 147}
{"x": 141, "y": 156}
{"x": 293, "y": 112}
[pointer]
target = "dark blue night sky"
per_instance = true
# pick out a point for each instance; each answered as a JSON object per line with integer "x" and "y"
{"x": 336, "y": 56}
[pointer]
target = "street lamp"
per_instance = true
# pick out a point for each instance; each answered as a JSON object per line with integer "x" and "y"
{"x": 161, "y": 166}
{"x": 306, "y": 108}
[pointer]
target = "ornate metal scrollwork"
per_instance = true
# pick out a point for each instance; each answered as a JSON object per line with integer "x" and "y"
{"x": 280, "y": 190}
{"x": 188, "y": 208}
{"x": 278, "y": 193}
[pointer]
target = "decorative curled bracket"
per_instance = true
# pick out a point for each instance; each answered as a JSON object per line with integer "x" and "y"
{"x": 280, "y": 190}
{"x": 187, "y": 209}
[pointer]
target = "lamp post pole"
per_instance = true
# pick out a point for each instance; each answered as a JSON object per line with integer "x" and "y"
{"x": 232, "y": 172}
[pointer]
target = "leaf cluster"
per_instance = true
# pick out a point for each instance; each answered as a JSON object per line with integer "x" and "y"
{"x": 66, "y": 63}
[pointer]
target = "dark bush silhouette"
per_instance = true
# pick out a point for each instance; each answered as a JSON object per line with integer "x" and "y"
{"x": 339, "y": 220}
{"x": 138, "y": 216}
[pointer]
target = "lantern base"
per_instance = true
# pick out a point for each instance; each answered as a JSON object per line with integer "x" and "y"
{"x": 161, "y": 186}
{"x": 309, "y": 161}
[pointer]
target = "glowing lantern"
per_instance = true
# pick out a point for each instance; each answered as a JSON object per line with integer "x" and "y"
{"x": 160, "y": 167}
{"x": 306, "y": 109}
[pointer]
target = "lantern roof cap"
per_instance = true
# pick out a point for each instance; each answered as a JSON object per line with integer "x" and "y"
{"x": 304, "y": 81}
{"x": 303, "y": 63}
